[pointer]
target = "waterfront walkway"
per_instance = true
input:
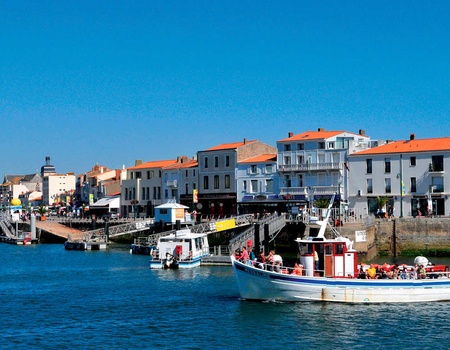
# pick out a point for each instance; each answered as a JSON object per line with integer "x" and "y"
{"x": 60, "y": 230}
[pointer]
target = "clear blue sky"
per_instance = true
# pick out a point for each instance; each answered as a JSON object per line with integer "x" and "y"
{"x": 109, "y": 81}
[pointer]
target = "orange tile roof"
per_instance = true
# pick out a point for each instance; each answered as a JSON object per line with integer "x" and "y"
{"x": 260, "y": 159}
{"x": 229, "y": 145}
{"x": 313, "y": 135}
{"x": 190, "y": 163}
{"x": 154, "y": 164}
{"x": 408, "y": 146}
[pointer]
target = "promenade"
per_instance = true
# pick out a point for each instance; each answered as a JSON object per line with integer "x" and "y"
{"x": 60, "y": 230}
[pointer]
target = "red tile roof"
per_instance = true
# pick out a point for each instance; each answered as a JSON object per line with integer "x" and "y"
{"x": 313, "y": 135}
{"x": 408, "y": 146}
{"x": 232, "y": 145}
{"x": 154, "y": 164}
{"x": 260, "y": 159}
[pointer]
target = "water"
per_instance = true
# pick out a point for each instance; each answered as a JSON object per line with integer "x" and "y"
{"x": 57, "y": 299}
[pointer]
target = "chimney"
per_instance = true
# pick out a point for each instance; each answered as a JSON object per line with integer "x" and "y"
{"x": 412, "y": 137}
{"x": 290, "y": 134}
{"x": 118, "y": 171}
{"x": 245, "y": 141}
{"x": 138, "y": 162}
{"x": 362, "y": 132}
{"x": 320, "y": 129}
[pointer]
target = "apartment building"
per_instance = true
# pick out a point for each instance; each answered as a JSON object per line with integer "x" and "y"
{"x": 313, "y": 165}
{"x": 413, "y": 174}
{"x": 217, "y": 173}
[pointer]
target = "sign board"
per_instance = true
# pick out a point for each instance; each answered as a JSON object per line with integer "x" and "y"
{"x": 360, "y": 236}
{"x": 225, "y": 225}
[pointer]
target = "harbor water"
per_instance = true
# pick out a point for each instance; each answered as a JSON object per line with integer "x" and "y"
{"x": 57, "y": 299}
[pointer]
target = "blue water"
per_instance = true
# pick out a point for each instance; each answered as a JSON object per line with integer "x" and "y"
{"x": 57, "y": 299}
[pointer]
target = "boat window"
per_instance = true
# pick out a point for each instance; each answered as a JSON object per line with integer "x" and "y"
{"x": 328, "y": 250}
{"x": 339, "y": 249}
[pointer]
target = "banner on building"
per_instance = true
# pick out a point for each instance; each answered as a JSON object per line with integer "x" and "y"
{"x": 360, "y": 236}
{"x": 195, "y": 196}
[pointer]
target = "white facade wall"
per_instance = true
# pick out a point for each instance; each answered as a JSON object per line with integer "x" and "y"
{"x": 256, "y": 179}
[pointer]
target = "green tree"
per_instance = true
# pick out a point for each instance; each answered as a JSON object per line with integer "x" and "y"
{"x": 42, "y": 210}
{"x": 381, "y": 201}
{"x": 322, "y": 203}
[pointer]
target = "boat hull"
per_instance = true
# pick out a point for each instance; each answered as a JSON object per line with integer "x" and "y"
{"x": 165, "y": 264}
{"x": 258, "y": 284}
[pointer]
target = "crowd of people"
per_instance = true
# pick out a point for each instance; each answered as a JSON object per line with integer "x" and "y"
{"x": 393, "y": 272}
{"x": 272, "y": 262}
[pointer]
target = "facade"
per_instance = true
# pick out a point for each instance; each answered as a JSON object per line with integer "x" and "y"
{"x": 257, "y": 184}
{"x": 58, "y": 188}
{"x": 217, "y": 168}
{"x": 313, "y": 165}
{"x": 142, "y": 189}
{"x": 413, "y": 174}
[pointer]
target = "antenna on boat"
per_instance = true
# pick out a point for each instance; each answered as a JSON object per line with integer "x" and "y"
{"x": 323, "y": 223}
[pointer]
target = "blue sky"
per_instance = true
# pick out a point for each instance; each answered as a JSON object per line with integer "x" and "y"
{"x": 110, "y": 82}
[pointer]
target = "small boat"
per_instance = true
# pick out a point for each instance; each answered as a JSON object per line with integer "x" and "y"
{"x": 180, "y": 250}
{"x": 334, "y": 277}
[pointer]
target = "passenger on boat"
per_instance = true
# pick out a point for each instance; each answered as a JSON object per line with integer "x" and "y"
{"x": 298, "y": 270}
{"x": 260, "y": 260}
{"x": 244, "y": 255}
{"x": 362, "y": 273}
{"x": 371, "y": 272}
{"x": 422, "y": 272}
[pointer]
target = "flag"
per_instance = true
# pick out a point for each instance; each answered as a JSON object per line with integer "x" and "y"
{"x": 403, "y": 188}
{"x": 195, "y": 196}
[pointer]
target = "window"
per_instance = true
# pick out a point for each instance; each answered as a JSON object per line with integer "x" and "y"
{"x": 227, "y": 181}
{"x": 138, "y": 174}
{"x": 269, "y": 168}
{"x": 300, "y": 180}
{"x": 369, "y": 186}
{"x": 227, "y": 161}
{"x": 287, "y": 181}
{"x": 244, "y": 183}
{"x": 152, "y": 174}
{"x": 148, "y": 174}
{"x": 287, "y": 160}
{"x": 205, "y": 182}
{"x": 387, "y": 185}
{"x": 194, "y": 185}
{"x": 413, "y": 184}
{"x": 216, "y": 182}
{"x": 163, "y": 211}
{"x": 254, "y": 185}
{"x": 369, "y": 166}
{"x": 300, "y": 159}
{"x": 412, "y": 162}
{"x": 216, "y": 162}
{"x": 287, "y": 147}
{"x": 330, "y": 145}
{"x": 437, "y": 163}
{"x": 186, "y": 188}
{"x": 269, "y": 185}
{"x": 206, "y": 162}
{"x": 166, "y": 193}
{"x": 154, "y": 192}
{"x": 321, "y": 145}
{"x": 300, "y": 146}
{"x": 193, "y": 173}
{"x": 253, "y": 169}
{"x": 186, "y": 173}
{"x": 387, "y": 165}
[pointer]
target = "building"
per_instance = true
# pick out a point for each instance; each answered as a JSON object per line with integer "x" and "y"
{"x": 412, "y": 173}
{"x": 257, "y": 185}
{"x": 313, "y": 165}
{"x": 142, "y": 189}
{"x": 217, "y": 168}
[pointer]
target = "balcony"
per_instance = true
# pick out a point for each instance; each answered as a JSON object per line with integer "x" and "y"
{"x": 313, "y": 190}
{"x": 312, "y": 167}
{"x": 172, "y": 184}
{"x": 435, "y": 167}
{"x": 436, "y": 188}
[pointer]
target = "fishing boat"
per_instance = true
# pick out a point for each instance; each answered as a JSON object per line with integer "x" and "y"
{"x": 335, "y": 276}
{"x": 180, "y": 250}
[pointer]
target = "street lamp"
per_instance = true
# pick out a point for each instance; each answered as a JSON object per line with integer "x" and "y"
{"x": 339, "y": 198}
{"x": 133, "y": 203}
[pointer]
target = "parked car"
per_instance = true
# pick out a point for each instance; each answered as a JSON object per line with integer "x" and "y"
{"x": 111, "y": 215}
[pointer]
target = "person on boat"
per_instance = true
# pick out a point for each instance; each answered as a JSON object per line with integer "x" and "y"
{"x": 298, "y": 270}
{"x": 244, "y": 255}
{"x": 251, "y": 255}
{"x": 270, "y": 260}
{"x": 422, "y": 272}
{"x": 260, "y": 260}
{"x": 316, "y": 260}
{"x": 362, "y": 273}
{"x": 371, "y": 272}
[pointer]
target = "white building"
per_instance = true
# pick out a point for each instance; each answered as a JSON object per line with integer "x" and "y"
{"x": 412, "y": 173}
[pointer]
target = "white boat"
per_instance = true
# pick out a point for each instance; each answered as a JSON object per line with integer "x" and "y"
{"x": 182, "y": 249}
{"x": 335, "y": 279}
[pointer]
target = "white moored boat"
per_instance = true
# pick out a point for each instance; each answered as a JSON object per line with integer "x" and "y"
{"x": 182, "y": 249}
{"x": 334, "y": 279}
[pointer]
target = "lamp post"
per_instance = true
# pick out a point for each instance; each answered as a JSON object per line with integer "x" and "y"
{"x": 400, "y": 177}
{"x": 133, "y": 203}
{"x": 339, "y": 211}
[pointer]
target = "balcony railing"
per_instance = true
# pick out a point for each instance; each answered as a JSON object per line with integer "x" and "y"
{"x": 435, "y": 167}
{"x": 173, "y": 183}
{"x": 313, "y": 190}
{"x": 312, "y": 166}
{"x": 436, "y": 188}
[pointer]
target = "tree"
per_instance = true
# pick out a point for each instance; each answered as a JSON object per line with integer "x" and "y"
{"x": 381, "y": 201}
{"x": 322, "y": 203}
{"x": 42, "y": 210}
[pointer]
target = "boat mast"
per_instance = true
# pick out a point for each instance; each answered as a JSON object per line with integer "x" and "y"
{"x": 323, "y": 223}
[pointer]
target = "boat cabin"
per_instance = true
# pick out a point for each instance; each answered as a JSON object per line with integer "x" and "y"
{"x": 184, "y": 245}
{"x": 335, "y": 259}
